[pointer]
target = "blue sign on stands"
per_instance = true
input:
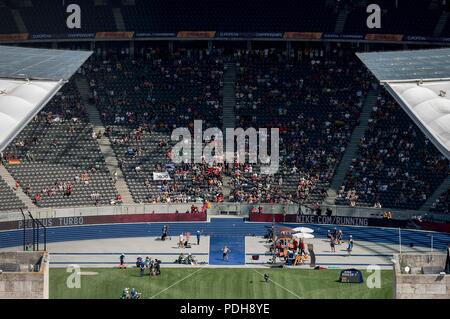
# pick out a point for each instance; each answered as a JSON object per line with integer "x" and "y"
{"x": 351, "y": 276}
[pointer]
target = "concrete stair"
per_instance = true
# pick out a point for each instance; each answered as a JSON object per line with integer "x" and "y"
{"x": 340, "y": 21}
{"x": 361, "y": 4}
{"x": 440, "y": 25}
{"x": 226, "y": 189}
{"x": 118, "y": 18}
{"x": 104, "y": 143}
{"x": 19, "y": 21}
{"x": 229, "y": 96}
{"x": 434, "y": 4}
{"x": 445, "y": 185}
{"x": 352, "y": 147}
{"x": 12, "y": 184}
{"x": 229, "y": 117}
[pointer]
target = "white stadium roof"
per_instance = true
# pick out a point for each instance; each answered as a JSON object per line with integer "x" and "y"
{"x": 428, "y": 107}
{"x": 29, "y": 78}
{"x": 420, "y": 82}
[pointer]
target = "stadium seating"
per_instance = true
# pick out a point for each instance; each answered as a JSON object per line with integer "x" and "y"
{"x": 446, "y": 30}
{"x": 168, "y": 91}
{"x": 315, "y": 100}
{"x": 229, "y": 16}
{"x": 418, "y": 20}
{"x": 442, "y": 204}
{"x": 396, "y": 165}
{"x": 7, "y": 23}
{"x": 8, "y": 200}
{"x": 56, "y": 151}
{"x": 170, "y": 16}
{"x": 314, "y": 95}
{"x": 94, "y": 18}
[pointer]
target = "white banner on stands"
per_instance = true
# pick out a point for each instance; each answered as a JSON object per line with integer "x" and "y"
{"x": 161, "y": 176}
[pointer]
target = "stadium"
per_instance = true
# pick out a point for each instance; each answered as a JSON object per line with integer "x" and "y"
{"x": 224, "y": 149}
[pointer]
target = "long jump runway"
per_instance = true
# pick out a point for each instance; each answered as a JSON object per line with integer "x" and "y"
{"x": 101, "y": 245}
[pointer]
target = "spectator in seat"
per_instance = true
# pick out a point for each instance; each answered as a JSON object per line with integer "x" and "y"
{"x": 38, "y": 200}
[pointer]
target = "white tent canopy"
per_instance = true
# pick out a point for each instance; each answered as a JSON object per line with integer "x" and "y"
{"x": 303, "y": 235}
{"x": 303, "y": 230}
{"x": 20, "y": 101}
{"x": 419, "y": 81}
{"x": 428, "y": 104}
{"x": 29, "y": 78}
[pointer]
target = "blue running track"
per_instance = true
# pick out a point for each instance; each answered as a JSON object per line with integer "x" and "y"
{"x": 223, "y": 230}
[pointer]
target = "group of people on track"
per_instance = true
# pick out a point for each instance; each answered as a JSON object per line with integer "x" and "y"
{"x": 336, "y": 238}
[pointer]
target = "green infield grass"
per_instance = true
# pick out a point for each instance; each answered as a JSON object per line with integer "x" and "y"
{"x": 218, "y": 283}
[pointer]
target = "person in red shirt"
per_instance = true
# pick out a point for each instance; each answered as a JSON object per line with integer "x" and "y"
{"x": 205, "y": 206}
{"x": 69, "y": 189}
{"x": 295, "y": 245}
{"x": 302, "y": 247}
{"x": 37, "y": 199}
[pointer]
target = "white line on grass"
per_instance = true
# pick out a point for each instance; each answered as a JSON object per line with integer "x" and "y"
{"x": 281, "y": 286}
{"x": 177, "y": 282}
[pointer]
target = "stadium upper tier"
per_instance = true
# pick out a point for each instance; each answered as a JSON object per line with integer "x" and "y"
{"x": 234, "y": 17}
{"x": 315, "y": 95}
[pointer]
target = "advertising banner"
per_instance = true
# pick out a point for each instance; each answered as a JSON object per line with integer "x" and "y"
{"x": 104, "y": 219}
{"x": 269, "y": 35}
{"x": 221, "y": 35}
{"x": 114, "y": 35}
{"x": 14, "y": 37}
{"x": 384, "y": 37}
{"x": 14, "y": 162}
{"x": 45, "y": 36}
{"x": 351, "y": 276}
{"x": 334, "y": 220}
{"x": 327, "y": 220}
{"x": 418, "y": 38}
{"x": 329, "y": 36}
{"x": 250, "y": 35}
{"x": 138, "y": 35}
{"x": 196, "y": 34}
{"x": 303, "y": 35}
